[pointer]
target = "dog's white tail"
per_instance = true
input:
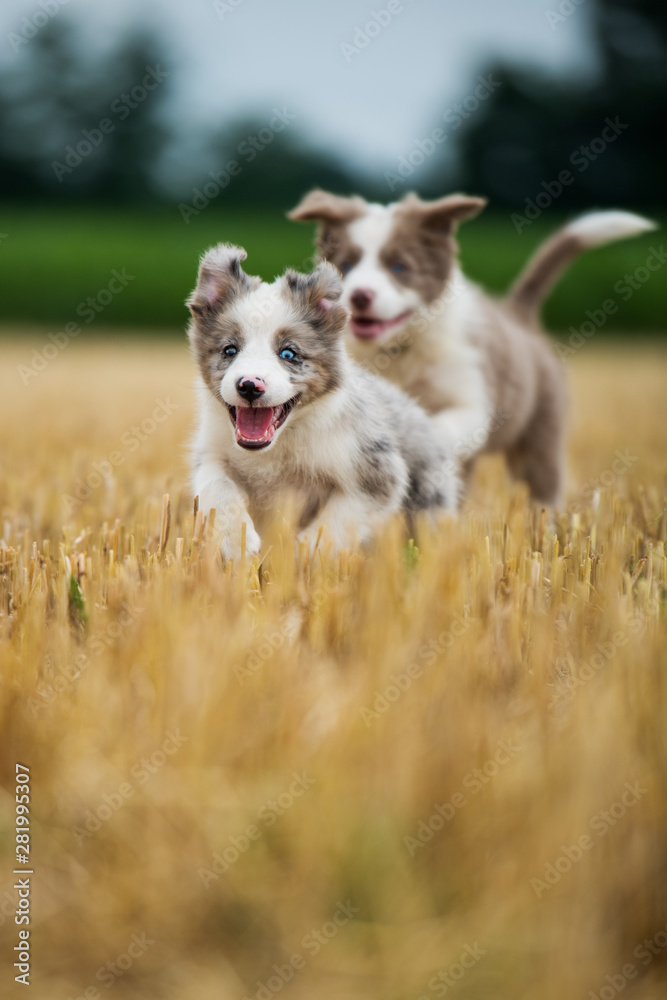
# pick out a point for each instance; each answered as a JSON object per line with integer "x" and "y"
{"x": 591, "y": 230}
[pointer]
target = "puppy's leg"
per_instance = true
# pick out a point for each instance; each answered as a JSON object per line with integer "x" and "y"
{"x": 539, "y": 455}
{"x": 464, "y": 430}
{"x": 215, "y": 489}
{"x": 346, "y": 520}
{"x": 378, "y": 483}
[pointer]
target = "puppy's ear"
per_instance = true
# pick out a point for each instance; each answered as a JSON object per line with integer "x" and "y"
{"x": 220, "y": 279}
{"x": 321, "y": 206}
{"x": 444, "y": 214}
{"x": 320, "y": 289}
{"x": 318, "y": 293}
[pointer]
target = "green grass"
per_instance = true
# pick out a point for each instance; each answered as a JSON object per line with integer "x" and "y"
{"x": 53, "y": 259}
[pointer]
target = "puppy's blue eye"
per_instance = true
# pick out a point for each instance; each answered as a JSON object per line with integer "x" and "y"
{"x": 230, "y": 351}
{"x": 287, "y": 354}
{"x": 345, "y": 268}
{"x": 397, "y": 268}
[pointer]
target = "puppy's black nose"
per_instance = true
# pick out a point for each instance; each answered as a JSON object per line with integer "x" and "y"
{"x": 361, "y": 298}
{"x": 250, "y": 388}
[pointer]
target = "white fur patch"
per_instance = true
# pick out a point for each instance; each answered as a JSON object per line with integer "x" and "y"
{"x": 439, "y": 367}
{"x": 370, "y": 233}
{"x": 259, "y": 315}
{"x": 597, "y": 228}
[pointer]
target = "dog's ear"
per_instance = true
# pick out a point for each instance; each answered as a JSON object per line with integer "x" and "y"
{"x": 321, "y": 288}
{"x": 444, "y": 214}
{"x": 220, "y": 278}
{"x": 318, "y": 292}
{"x": 322, "y": 206}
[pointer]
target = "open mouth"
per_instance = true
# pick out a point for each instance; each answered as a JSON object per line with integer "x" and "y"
{"x": 256, "y": 426}
{"x": 369, "y": 327}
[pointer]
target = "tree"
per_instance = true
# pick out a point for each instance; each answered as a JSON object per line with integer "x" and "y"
{"x": 535, "y": 126}
{"x": 53, "y": 102}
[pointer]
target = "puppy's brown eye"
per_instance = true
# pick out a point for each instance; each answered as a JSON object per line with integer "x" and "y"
{"x": 230, "y": 350}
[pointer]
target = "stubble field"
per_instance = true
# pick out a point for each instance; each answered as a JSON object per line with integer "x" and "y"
{"x": 434, "y": 769}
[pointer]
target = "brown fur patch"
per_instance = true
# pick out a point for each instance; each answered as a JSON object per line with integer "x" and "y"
{"x": 333, "y": 213}
{"x": 322, "y": 206}
{"x": 444, "y": 213}
{"x": 527, "y": 394}
{"x": 426, "y": 255}
{"x": 220, "y": 278}
{"x": 334, "y": 244}
{"x": 531, "y": 287}
{"x": 208, "y": 338}
{"x": 318, "y": 368}
{"x": 317, "y": 336}
{"x": 423, "y": 242}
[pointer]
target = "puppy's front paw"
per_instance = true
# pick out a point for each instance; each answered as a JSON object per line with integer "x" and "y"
{"x": 230, "y": 546}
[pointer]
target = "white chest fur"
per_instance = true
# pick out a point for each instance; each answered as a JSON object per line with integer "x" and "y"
{"x": 432, "y": 359}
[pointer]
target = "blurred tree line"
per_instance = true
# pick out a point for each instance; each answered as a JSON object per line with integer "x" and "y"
{"x": 535, "y": 126}
{"x": 104, "y": 128}
{"x": 54, "y": 95}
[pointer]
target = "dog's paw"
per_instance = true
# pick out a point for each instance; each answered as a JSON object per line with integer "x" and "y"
{"x": 230, "y": 546}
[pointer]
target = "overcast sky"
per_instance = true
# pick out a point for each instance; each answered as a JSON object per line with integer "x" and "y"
{"x": 370, "y": 106}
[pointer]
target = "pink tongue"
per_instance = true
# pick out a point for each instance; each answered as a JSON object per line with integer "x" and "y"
{"x": 253, "y": 423}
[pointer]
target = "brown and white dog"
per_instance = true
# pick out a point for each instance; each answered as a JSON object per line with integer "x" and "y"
{"x": 480, "y": 366}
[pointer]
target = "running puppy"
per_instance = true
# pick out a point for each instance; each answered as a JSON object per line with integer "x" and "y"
{"x": 282, "y": 406}
{"x": 481, "y": 367}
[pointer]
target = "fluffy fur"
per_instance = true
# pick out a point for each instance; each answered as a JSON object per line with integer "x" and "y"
{"x": 481, "y": 367}
{"x": 283, "y": 408}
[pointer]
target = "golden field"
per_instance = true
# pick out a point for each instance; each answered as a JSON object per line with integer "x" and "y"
{"x": 433, "y": 769}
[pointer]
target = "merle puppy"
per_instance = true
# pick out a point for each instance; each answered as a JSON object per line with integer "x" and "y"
{"x": 283, "y": 408}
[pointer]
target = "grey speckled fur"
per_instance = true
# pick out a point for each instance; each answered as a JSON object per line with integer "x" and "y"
{"x": 352, "y": 450}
